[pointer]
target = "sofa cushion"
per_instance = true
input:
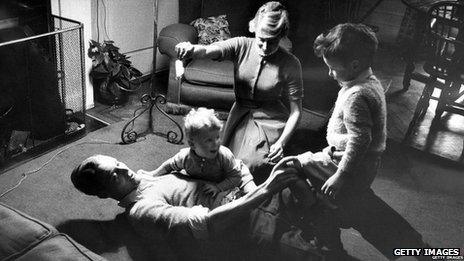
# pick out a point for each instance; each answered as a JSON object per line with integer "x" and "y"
{"x": 25, "y": 238}
{"x": 211, "y": 29}
{"x": 209, "y": 72}
{"x": 59, "y": 247}
{"x": 208, "y": 96}
{"x": 238, "y": 12}
{"x": 19, "y": 232}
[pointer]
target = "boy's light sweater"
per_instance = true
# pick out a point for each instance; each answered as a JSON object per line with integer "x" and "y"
{"x": 358, "y": 122}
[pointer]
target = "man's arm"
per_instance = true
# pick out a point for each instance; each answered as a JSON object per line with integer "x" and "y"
{"x": 228, "y": 214}
{"x": 150, "y": 213}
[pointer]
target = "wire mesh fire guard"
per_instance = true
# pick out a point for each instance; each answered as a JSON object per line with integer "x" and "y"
{"x": 42, "y": 87}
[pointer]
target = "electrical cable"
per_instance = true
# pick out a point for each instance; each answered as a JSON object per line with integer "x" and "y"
{"x": 104, "y": 20}
{"x": 7, "y": 111}
{"x": 27, "y": 173}
{"x": 98, "y": 28}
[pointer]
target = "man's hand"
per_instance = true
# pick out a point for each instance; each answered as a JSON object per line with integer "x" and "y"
{"x": 280, "y": 179}
{"x": 184, "y": 50}
{"x": 276, "y": 152}
{"x": 333, "y": 185}
{"x": 291, "y": 162}
{"x": 211, "y": 189}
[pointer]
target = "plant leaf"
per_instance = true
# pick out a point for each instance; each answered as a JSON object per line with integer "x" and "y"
{"x": 125, "y": 72}
{"x": 107, "y": 61}
{"x": 116, "y": 69}
{"x": 135, "y": 72}
{"x": 123, "y": 82}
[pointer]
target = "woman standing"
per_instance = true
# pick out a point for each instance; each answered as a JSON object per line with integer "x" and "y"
{"x": 268, "y": 89}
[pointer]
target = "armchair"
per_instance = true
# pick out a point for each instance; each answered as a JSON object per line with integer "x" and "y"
{"x": 206, "y": 82}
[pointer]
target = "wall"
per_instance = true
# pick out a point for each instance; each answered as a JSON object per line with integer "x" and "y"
{"x": 129, "y": 23}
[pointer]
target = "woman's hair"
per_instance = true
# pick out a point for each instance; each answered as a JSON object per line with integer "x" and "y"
{"x": 348, "y": 42}
{"x": 86, "y": 178}
{"x": 272, "y": 18}
{"x": 199, "y": 120}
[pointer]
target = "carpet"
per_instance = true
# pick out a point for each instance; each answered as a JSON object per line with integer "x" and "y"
{"x": 98, "y": 224}
{"x": 426, "y": 191}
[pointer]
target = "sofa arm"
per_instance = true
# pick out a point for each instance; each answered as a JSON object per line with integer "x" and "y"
{"x": 173, "y": 34}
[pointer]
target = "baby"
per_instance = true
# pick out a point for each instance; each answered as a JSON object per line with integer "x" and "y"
{"x": 206, "y": 158}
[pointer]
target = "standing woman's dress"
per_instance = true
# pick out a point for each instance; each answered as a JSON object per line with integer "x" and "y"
{"x": 262, "y": 86}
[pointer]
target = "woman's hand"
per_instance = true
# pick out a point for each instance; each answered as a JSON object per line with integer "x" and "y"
{"x": 333, "y": 185}
{"x": 276, "y": 152}
{"x": 184, "y": 50}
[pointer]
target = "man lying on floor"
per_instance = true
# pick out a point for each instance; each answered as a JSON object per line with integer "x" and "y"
{"x": 175, "y": 206}
{"x": 167, "y": 203}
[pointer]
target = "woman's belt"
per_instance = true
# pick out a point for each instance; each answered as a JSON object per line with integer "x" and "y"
{"x": 252, "y": 104}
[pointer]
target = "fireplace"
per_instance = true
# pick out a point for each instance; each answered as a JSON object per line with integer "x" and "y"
{"x": 42, "y": 90}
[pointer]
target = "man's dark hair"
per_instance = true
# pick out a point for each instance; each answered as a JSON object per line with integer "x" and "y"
{"x": 86, "y": 178}
{"x": 348, "y": 42}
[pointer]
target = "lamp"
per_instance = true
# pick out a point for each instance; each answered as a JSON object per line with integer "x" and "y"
{"x": 150, "y": 101}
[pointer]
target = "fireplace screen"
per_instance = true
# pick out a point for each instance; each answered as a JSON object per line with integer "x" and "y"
{"x": 42, "y": 87}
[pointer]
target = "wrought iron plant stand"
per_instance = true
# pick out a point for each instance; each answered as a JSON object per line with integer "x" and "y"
{"x": 149, "y": 102}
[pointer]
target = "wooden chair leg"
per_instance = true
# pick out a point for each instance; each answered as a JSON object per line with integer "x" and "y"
{"x": 443, "y": 100}
{"x": 421, "y": 109}
{"x": 407, "y": 74}
{"x": 411, "y": 50}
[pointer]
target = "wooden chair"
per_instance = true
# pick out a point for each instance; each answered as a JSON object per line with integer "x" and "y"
{"x": 444, "y": 64}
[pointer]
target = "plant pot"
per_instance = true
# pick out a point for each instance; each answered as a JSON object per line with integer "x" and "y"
{"x": 109, "y": 92}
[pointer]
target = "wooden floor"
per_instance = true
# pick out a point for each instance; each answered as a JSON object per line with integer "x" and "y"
{"x": 444, "y": 140}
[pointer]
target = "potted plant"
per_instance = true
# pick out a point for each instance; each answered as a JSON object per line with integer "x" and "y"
{"x": 113, "y": 76}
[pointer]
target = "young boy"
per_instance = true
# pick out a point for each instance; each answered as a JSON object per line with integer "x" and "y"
{"x": 206, "y": 159}
{"x": 356, "y": 135}
{"x": 356, "y": 132}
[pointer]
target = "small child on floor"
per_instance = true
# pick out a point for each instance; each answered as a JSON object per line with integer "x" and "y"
{"x": 206, "y": 158}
